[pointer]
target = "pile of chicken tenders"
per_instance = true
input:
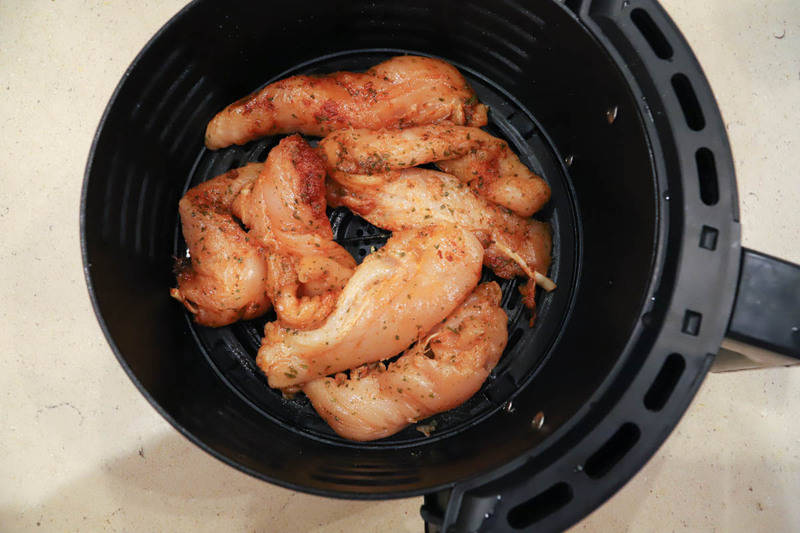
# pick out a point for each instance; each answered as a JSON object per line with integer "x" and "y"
{"x": 259, "y": 238}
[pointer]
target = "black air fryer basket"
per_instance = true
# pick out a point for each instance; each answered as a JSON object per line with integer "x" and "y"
{"x": 603, "y": 98}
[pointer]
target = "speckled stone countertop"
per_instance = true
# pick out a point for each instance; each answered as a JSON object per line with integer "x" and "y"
{"x": 81, "y": 449}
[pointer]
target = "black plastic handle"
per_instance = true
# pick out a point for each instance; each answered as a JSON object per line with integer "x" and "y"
{"x": 766, "y": 315}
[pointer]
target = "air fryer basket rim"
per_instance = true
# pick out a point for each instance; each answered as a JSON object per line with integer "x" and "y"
{"x": 674, "y": 144}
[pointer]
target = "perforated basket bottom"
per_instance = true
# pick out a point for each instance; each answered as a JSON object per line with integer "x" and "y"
{"x": 231, "y": 350}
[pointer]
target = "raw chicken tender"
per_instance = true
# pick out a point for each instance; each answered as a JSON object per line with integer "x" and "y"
{"x": 400, "y": 92}
{"x": 437, "y": 374}
{"x": 396, "y": 295}
{"x": 473, "y": 156}
{"x": 285, "y": 209}
{"x": 225, "y": 278}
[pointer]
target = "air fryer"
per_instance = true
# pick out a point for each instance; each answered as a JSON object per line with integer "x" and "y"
{"x": 602, "y": 98}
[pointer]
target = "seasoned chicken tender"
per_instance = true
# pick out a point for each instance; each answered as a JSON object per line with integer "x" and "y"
{"x": 285, "y": 209}
{"x": 396, "y": 295}
{"x": 225, "y": 278}
{"x": 400, "y": 92}
{"x": 416, "y": 197}
{"x": 485, "y": 162}
{"x": 436, "y": 374}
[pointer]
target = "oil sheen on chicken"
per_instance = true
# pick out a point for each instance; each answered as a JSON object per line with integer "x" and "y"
{"x": 400, "y": 92}
{"x": 225, "y": 278}
{"x": 438, "y": 373}
{"x": 470, "y": 154}
{"x": 416, "y": 197}
{"x": 285, "y": 209}
{"x": 396, "y": 295}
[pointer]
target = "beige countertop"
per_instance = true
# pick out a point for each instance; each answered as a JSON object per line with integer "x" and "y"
{"x": 81, "y": 449}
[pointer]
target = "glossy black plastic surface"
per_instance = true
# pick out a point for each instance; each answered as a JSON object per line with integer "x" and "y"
{"x": 581, "y": 93}
{"x": 767, "y": 309}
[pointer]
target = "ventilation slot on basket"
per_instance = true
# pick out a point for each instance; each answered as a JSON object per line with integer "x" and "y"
{"x": 662, "y": 387}
{"x": 544, "y": 504}
{"x": 708, "y": 238}
{"x": 707, "y": 174}
{"x": 612, "y": 451}
{"x": 691, "y": 322}
{"x": 688, "y": 100}
{"x": 652, "y": 33}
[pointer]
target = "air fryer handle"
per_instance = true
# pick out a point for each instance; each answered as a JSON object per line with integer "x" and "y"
{"x": 764, "y": 329}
